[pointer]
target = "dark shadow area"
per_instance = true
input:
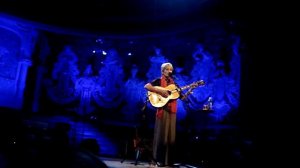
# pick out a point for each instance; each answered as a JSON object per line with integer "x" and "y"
{"x": 41, "y": 144}
{"x": 38, "y": 143}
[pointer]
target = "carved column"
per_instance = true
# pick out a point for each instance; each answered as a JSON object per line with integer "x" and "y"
{"x": 23, "y": 66}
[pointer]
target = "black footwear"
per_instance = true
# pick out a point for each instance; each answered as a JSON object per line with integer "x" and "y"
{"x": 159, "y": 164}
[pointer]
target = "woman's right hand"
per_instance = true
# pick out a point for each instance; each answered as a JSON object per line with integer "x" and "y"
{"x": 164, "y": 93}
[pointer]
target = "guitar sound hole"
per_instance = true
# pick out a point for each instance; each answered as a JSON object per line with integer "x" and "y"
{"x": 169, "y": 92}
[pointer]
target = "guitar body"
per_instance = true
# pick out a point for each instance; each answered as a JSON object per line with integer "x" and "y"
{"x": 159, "y": 101}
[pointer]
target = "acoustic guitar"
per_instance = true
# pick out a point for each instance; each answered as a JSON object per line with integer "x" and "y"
{"x": 157, "y": 100}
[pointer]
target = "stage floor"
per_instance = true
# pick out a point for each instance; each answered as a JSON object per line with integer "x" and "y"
{"x": 117, "y": 163}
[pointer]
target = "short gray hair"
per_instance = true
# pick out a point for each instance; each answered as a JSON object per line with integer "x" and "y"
{"x": 163, "y": 66}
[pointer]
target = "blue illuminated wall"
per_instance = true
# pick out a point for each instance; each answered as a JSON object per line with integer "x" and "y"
{"x": 109, "y": 79}
{"x": 102, "y": 77}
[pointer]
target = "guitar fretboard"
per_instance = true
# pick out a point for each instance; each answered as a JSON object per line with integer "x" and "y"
{"x": 195, "y": 84}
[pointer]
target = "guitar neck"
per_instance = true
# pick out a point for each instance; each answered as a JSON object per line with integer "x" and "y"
{"x": 193, "y": 85}
{"x": 185, "y": 87}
